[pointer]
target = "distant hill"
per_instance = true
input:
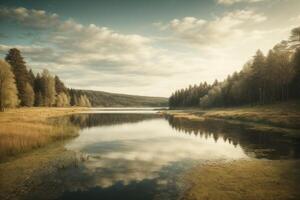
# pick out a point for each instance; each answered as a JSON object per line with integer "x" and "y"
{"x": 106, "y": 99}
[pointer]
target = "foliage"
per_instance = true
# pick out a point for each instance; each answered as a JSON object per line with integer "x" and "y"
{"x": 33, "y": 90}
{"x": 106, "y": 99}
{"x": 62, "y": 100}
{"x": 83, "y": 101}
{"x": 263, "y": 80}
{"x": 29, "y": 95}
{"x": 48, "y": 88}
{"x": 8, "y": 90}
{"x": 19, "y": 69}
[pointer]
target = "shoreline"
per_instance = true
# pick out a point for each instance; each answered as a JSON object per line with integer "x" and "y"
{"x": 34, "y": 146}
{"x": 27, "y": 129}
{"x": 280, "y": 118}
{"x": 245, "y": 179}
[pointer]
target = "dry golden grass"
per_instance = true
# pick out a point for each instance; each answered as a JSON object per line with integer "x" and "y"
{"x": 24, "y": 129}
{"x": 244, "y": 180}
{"x": 286, "y": 115}
{"x": 281, "y": 117}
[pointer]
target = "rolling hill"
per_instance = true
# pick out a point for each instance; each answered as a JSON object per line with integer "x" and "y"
{"x": 106, "y": 99}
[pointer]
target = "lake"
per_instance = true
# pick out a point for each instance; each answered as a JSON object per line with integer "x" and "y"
{"x": 136, "y": 153}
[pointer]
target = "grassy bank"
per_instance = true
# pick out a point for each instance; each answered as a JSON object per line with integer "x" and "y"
{"x": 258, "y": 179}
{"x": 280, "y": 117}
{"x": 20, "y": 176}
{"x": 24, "y": 129}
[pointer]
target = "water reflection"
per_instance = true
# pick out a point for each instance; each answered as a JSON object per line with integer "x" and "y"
{"x": 86, "y": 120}
{"x": 129, "y": 153}
{"x": 139, "y": 156}
{"x": 258, "y": 145}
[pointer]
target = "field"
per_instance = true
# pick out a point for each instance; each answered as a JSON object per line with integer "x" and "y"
{"x": 24, "y": 129}
{"x": 244, "y": 180}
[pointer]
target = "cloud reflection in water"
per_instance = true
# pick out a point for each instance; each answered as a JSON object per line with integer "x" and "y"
{"x": 138, "y": 151}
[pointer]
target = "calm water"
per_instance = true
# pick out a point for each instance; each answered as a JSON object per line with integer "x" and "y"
{"x": 138, "y": 154}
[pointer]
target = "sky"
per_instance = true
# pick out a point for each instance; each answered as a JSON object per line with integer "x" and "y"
{"x": 143, "y": 47}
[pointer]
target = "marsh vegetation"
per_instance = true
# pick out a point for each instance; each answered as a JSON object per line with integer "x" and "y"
{"x": 31, "y": 128}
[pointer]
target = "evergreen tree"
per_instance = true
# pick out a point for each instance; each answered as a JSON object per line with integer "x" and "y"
{"x": 48, "y": 89}
{"x": 295, "y": 38}
{"x": 262, "y": 80}
{"x": 38, "y": 90}
{"x": 28, "y": 95}
{"x": 31, "y": 78}
{"x": 296, "y": 79}
{"x": 19, "y": 69}
{"x": 257, "y": 82}
{"x": 60, "y": 86}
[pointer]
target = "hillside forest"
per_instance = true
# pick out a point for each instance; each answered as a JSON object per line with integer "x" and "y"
{"x": 264, "y": 79}
{"x": 20, "y": 87}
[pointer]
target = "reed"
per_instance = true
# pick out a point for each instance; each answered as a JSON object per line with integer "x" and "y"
{"x": 25, "y": 129}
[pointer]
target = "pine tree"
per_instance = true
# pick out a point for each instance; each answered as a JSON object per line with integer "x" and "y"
{"x": 31, "y": 78}
{"x": 8, "y": 90}
{"x": 19, "y": 69}
{"x": 60, "y": 86}
{"x": 258, "y": 66}
{"x": 28, "y": 95}
{"x": 296, "y": 80}
{"x": 295, "y": 38}
{"x": 38, "y": 90}
{"x": 48, "y": 89}
{"x": 38, "y": 101}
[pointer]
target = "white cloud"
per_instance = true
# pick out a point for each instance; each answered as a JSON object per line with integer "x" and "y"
{"x": 216, "y": 32}
{"x": 188, "y": 51}
{"x": 296, "y": 18}
{"x": 32, "y": 18}
{"x": 230, "y": 2}
{"x": 95, "y": 52}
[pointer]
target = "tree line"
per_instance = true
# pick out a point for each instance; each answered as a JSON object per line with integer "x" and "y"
{"x": 20, "y": 87}
{"x": 263, "y": 80}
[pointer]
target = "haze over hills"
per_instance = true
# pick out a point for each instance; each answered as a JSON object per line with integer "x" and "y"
{"x": 106, "y": 99}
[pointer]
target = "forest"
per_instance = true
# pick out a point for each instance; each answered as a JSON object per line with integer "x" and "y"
{"x": 264, "y": 79}
{"x": 20, "y": 87}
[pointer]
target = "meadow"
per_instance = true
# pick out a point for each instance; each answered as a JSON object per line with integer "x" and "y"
{"x": 24, "y": 129}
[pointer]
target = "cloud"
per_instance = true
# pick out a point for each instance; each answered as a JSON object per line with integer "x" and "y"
{"x": 218, "y": 31}
{"x": 31, "y": 18}
{"x": 230, "y": 2}
{"x": 95, "y": 52}
{"x": 187, "y": 51}
{"x": 296, "y": 18}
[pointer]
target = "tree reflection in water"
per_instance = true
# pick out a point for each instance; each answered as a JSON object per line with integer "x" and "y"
{"x": 258, "y": 145}
{"x": 130, "y": 153}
